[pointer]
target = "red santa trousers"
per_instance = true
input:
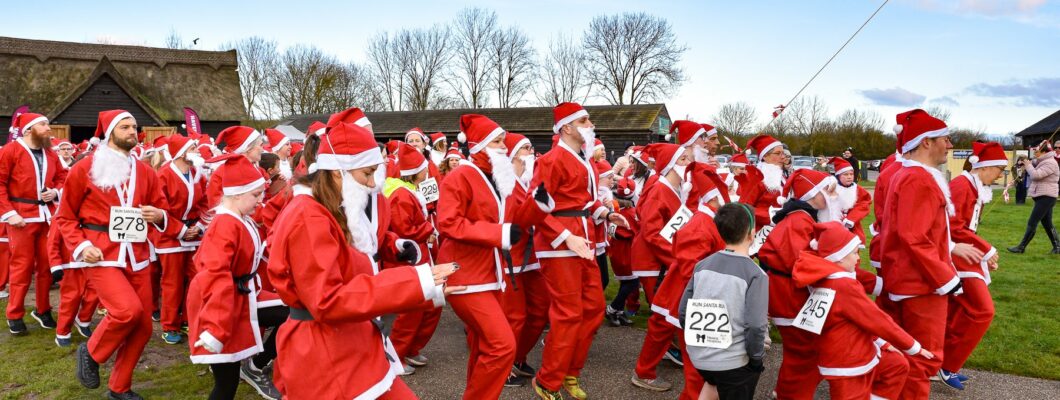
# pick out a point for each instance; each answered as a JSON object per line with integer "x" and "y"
{"x": 77, "y": 302}
{"x": 527, "y": 311}
{"x": 922, "y": 318}
{"x": 177, "y": 271}
{"x": 649, "y": 283}
{"x": 29, "y": 255}
{"x": 5, "y": 259}
{"x": 576, "y": 311}
{"x": 656, "y": 342}
{"x": 798, "y": 377}
{"x": 412, "y": 331}
{"x": 126, "y": 328}
{"x": 970, "y": 315}
{"x": 490, "y": 341}
{"x": 885, "y": 380}
{"x": 156, "y": 285}
{"x": 398, "y": 391}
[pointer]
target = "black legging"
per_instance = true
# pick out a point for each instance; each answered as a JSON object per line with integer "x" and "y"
{"x": 225, "y": 380}
{"x": 1043, "y": 213}
{"x": 625, "y": 289}
{"x": 226, "y": 375}
{"x": 605, "y": 279}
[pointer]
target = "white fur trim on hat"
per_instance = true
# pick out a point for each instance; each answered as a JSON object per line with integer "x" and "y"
{"x": 844, "y": 169}
{"x": 486, "y": 140}
{"x": 243, "y": 147}
{"x": 912, "y": 144}
{"x": 414, "y": 171}
{"x": 36, "y": 121}
{"x": 519, "y": 145}
{"x": 363, "y": 122}
{"x": 184, "y": 149}
{"x": 762, "y": 154}
{"x": 346, "y": 162}
{"x": 114, "y": 123}
{"x": 237, "y": 190}
{"x": 850, "y": 247}
{"x": 712, "y": 132}
{"x": 829, "y": 180}
{"x": 898, "y": 129}
{"x": 461, "y": 137}
{"x": 568, "y": 119}
{"x": 989, "y": 163}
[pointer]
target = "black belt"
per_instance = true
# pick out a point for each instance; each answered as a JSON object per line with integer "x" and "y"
{"x": 94, "y": 227}
{"x": 772, "y": 270}
{"x": 299, "y": 314}
{"x": 571, "y": 213}
{"x": 189, "y": 222}
{"x": 27, "y": 201}
{"x": 243, "y": 282}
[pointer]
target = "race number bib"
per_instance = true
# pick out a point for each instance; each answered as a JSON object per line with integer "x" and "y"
{"x": 760, "y": 239}
{"x": 973, "y": 225}
{"x": 429, "y": 189}
{"x": 127, "y": 225}
{"x": 611, "y": 228}
{"x": 815, "y": 312}
{"x": 707, "y": 324}
{"x": 678, "y": 221}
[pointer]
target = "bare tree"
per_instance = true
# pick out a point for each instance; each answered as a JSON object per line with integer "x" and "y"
{"x": 633, "y": 57}
{"x": 258, "y": 62}
{"x": 386, "y": 71}
{"x": 805, "y": 115}
{"x": 735, "y": 118}
{"x": 305, "y": 80}
{"x": 422, "y": 56}
{"x": 174, "y": 41}
{"x": 353, "y": 87}
{"x": 563, "y": 75}
{"x": 939, "y": 112}
{"x": 859, "y": 120}
{"x": 514, "y": 66}
{"x": 473, "y": 33}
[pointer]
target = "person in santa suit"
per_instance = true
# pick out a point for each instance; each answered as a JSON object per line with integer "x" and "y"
{"x": 639, "y": 171}
{"x": 106, "y": 182}
{"x": 333, "y": 345}
{"x": 699, "y": 140}
{"x": 280, "y": 145}
{"x": 651, "y": 251}
{"x": 409, "y": 219}
{"x": 526, "y": 302}
{"x": 566, "y": 257}
{"x": 737, "y": 171}
{"x": 888, "y": 167}
{"x": 185, "y": 190}
{"x": 917, "y": 250}
{"x": 309, "y": 148}
{"x": 604, "y": 184}
{"x": 697, "y": 240}
{"x": 621, "y": 255}
{"x": 417, "y": 139}
{"x": 439, "y": 148}
{"x": 970, "y": 314}
{"x": 854, "y": 330}
{"x": 65, "y": 151}
{"x": 235, "y": 140}
{"x": 77, "y": 299}
{"x": 450, "y": 162}
{"x": 765, "y": 179}
{"x": 5, "y": 260}
{"x": 854, "y": 202}
{"x": 471, "y": 219}
{"x": 599, "y": 151}
{"x": 31, "y": 177}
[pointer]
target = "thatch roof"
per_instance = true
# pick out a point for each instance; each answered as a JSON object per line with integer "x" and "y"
{"x": 1046, "y": 126}
{"x": 528, "y": 120}
{"x": 46, "y": 74}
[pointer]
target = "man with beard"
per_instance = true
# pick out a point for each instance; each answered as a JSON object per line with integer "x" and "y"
{"x": 471, "y": 220}
{"x": 185, "y": 191}
{"x": 65, "y": 150}
{"x": 699, "y": 140}
{"x": 765, "y": 179}
{"x": 280, "y": 145}
{"x": 567, "y": 259}
{"x": 101, "y": 191}
{"x": 917, "y": 252}
{"x": 854, "y": 201}
{"x": 30, "y": 179}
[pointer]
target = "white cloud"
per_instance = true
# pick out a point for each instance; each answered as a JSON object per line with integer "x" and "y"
{"x": 893, "y": 97}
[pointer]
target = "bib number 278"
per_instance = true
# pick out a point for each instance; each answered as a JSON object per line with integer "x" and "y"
{"x": 127, "y": 225}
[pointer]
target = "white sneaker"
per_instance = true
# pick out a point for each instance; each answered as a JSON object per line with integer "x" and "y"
{"x": 409, "y": 370}
{"x": 3, "y": 294}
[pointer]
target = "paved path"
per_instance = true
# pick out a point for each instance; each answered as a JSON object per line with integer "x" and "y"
{"x": 613, "y": 357}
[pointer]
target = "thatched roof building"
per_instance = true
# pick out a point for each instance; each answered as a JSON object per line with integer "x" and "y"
{"x": 72, "y": 82}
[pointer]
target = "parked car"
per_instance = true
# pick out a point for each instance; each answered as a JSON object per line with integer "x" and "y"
{"x": 723, "y": 159}
{"x": 802, "y": 162}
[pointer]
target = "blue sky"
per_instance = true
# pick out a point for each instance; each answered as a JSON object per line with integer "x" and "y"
{"x": 994, "y": 64}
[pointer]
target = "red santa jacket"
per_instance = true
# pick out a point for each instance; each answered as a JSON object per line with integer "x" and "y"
{"x": 848, "y": 345}
{"x": 916, "y": 246}
{"x": 790, "y": 237}
{"x": 314, "y": 268}
{"x": 408, "y": 220}
{"x": 879, "y": 196}
{"x": 222, "y": 311}
{"x": 753, "y": 191}
{"x": 650, "y": 250}
{"x": 853, "y": 215}
{"x": 185, "y": 203}
{"x": 522, "y": 252}
{"x": 621, "y": 252}
{"x": 693, "y": 243}
{"x": 571, "y": 182}
{"x": 22, "y": 181}
{"x": 86, "y": 207}
{"x": 966, "y": 192}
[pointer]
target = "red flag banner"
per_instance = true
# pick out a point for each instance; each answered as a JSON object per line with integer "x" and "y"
{"x": 777, "y": 110}
{"x": 733, "y": 145}
{"x": 191, "y": 122}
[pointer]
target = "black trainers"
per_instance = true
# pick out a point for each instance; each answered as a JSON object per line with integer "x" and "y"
{"x": 85, "y": 331}
{"x": 45, "y": 319}
{"x": 156, "y": 316}
{"x": 62, "y": 341}
{"x": 515, "y": 380}
{"x": 17, "y": 327}
{"x": 523, "y": 369}
{"x": 624, "y": 319}
{"x": 258, "y": 379}
{"x": 88, "y": 370}
{"x": 130, "y": 395}
{"x": 611, "y": 315}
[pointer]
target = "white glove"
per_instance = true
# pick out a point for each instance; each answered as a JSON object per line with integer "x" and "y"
{"x": 209, "y": 347}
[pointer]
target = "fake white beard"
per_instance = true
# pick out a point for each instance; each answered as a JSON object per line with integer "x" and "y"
{"x": 701, "y": 155}
{"x": 503, "y": 172}
{"x": 110, "y": 169}
{"x": 285, "y": 169}
{"x": 589, "y": 136}
{"x": 832, "y": 212}
{"x": 196, "y": 160}
{"x": 847, "y": 196}
{"x": 528, "y": 169}
{"x": 773, "y": 176}
{"x": 437, "y": 156}
{"x": 604, "y": 195}
{"x": 354, "y": 201}
{"x": 986, "y": 195}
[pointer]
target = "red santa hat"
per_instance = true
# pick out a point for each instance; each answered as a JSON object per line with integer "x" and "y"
{"x": 637, "y": 153}
{"x": 711, "y": 130}
{"x": 350, "y": 115}
{"x": 237, "y": 174}
{"x": 762, "y": 144}
{"x": 988, "y": 154}
{"x": 706, "y": 185}
{"x": 237, "y": 139}
{"x": 437, "y": 137}
{"x": 625, "y": 188}
{"x": 317, "y": 128}
{"x": 514, "y": 141}
{"x": 54, "y": 143}
{"x": 61, "y": 143}
{"x": 296, "y": 147}
{"x": 739, "y": 160}
{"x": 410, "y": 160}
{"x": 416, "y": 131}
{"x": 555, "y": 141}
{"x": 603, "y": 169}
{"x": 392, "y": 147}
{"x": 205, "y": 151}
{"x": 840, "y": 165}
{"x": 276, "y": 139}
{"x": 804, "y": 184}
{"x": 565, "y": 113}
{"x": 27, "y": 120}
{"x": 687, "y": 132}
{"x": 916, "y": 125}
{"x": 479, "y": 131}
{"x": 597, "y": 144}
{"x": 667, "y": 153}
{"x": 347, "y": 146}
{"x": 454, "y": 153}
{"x": 107, "y": 121}
{"x": 177, "y": 145}
{"x": 833, "y": 241}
